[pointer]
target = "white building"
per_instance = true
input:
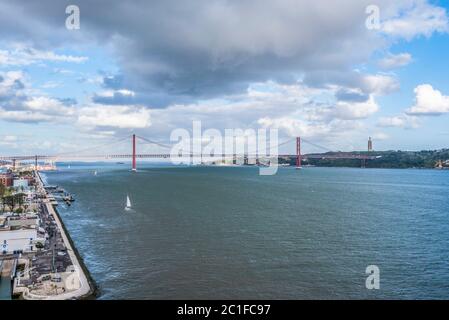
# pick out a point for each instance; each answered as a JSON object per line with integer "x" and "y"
{"x": 17, "y": 240}
{"x": 28, "y": 220}
{"x": 18, "y": 183}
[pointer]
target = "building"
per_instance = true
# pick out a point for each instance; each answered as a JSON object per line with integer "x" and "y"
{"x": 21, "y": 183}
{"x": 6, "y": 179}
{"x": 18, "y": 234}
{"x": 24, "y": 220}
{"x": 370, "y": 144}
{"x": 17, "y": 240}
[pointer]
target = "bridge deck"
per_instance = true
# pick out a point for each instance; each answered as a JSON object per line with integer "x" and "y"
{"x": 328, "y": 156}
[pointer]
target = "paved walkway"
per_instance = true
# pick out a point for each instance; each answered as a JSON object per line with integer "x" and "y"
{"x": 84, "y": 288}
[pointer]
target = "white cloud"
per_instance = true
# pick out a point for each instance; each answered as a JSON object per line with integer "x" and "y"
{"x": 380, "y": 136}
{"x": 333, "y": 135}
{"x": 23, "y": 55}
{"x": 123, "y": 117}
{"x": 379, "y": 84}
{"x": 293, "y": 109}
{"x": 48, "y": 105}
{"x": 400, "y": 121}
{"x": 20, "y": 103}
{"x": 125, "y": 92}
{"x": 296, "y": 127}
{"x": 392, "y": 61}
{"x": 51, "y": 85}
{"x": 429, "y": 102}
{"x": 12, "y": 82}
{"x": 112, "y": 93}
{"x": 358, "y": 110}
{"x": 8, "y": 141}
{"x": 9, "y": 138}
{"x": 24, "y": 116}
{"x": 416, "y": 18}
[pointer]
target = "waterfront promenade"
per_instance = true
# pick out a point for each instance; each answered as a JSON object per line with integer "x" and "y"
{"x": 78, "y": 283}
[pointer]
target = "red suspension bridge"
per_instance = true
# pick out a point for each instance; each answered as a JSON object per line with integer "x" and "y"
{"x": 134, "y": 155}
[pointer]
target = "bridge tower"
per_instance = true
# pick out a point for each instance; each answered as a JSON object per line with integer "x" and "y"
{"x": 134, "y": 154}
{"x": 298, "y": 153}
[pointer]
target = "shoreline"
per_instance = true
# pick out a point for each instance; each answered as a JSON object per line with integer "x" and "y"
{"x": 88, "y": 289}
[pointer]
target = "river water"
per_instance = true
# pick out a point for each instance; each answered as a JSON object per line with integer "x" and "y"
{"x": 228, "y": 233}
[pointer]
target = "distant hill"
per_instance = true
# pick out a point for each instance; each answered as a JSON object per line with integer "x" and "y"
{"x": 386, "y": 159}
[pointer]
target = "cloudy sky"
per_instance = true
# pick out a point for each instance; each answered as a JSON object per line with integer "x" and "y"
{"x": 320, "y": 69}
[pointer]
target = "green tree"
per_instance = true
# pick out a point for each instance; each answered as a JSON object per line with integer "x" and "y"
{"x": 9, "y": 201}
{"x": 2, "y": 190}
{"x": 19, "y": 199}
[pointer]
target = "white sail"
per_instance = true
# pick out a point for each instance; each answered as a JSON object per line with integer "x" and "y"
{"x": 128, "y": 203}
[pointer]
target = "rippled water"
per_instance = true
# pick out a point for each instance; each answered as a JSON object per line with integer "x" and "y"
{"x": 226, "y": 232}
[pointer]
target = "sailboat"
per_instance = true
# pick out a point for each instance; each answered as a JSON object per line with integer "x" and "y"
{"x": 95, "y": 173}
{"x": 128, "y": 204}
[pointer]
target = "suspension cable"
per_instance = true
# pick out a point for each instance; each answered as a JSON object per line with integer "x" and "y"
{"x": 154, "y": 142}
{"x": 94, "y": 147}
{"x": 316, "y": 145}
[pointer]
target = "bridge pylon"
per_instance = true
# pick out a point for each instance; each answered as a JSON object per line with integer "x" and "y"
{"x": 134, "y": 168}
{"x": 298, "y": 153}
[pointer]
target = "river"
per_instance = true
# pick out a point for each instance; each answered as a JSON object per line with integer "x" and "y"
{"x": 228, "y": 233}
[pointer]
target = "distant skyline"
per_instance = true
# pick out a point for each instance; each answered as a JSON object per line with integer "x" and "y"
{"x": 310, "y": 68}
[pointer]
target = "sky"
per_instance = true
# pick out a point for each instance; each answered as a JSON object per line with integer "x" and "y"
{"x": 327, "y": 71}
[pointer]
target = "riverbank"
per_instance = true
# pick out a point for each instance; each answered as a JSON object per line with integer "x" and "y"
{"x": 87, "y": 287}
{"x": 428, "y": 159}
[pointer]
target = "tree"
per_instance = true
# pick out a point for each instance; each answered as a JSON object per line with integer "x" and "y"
{"x": 3, "y": 204}
{"x": 2, "y": 193}
{"x": 2, "y": 190}
{"x": 9, "y": 201}
{"x": 19, "y": 198}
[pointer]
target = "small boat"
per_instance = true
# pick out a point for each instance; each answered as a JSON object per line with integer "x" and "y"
{"x": 128, "y": 204}
{"x": 58, "y": 190}
{"x": 95, "y": 173}
{"x": 68, "y": 198}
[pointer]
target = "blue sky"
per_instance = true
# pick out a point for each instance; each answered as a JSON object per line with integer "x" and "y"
{"x": 308, "y": 69}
